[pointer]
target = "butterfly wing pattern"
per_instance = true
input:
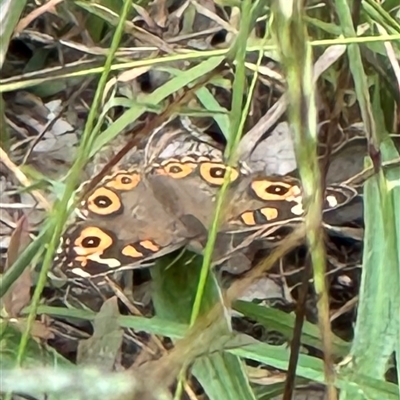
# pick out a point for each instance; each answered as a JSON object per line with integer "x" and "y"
{"x": 143, "y": 211}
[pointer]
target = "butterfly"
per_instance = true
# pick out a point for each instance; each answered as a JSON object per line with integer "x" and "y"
{"x": 160, "y": 201}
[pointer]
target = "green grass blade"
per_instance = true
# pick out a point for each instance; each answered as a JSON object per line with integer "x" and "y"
{"x": 357, "y": 71}
{"x": 174, "y": 291}
{"x": 239, "y": 52}
{"x": 36, "y": 354}
{"x": 376, "y": 331}
{"x": 278, "y": 320}
{"x": 379, "y": 15}
{"x": 34, "y": 250}
{"x": 379, "y": 304}
{"x": 155, "y": 98}
{"x": 57, "y": 73}
{"x": 393, "y": 189}
{"x": 236, "y": 126}
{"x": 313, "y": 369}
{"x": 60, "y": 215}
{"x": 155, "y": 325}
{"x": 210, "y": 103}
{"x": 224, "y": 377}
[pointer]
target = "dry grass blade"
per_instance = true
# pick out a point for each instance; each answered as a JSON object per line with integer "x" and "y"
{"x": 296, "y": 57}
{"x": 36, "y": 13}
{"x": 359, "y": 76}
{"x": 9, "y": 15}
{"x": 113, "y": 18}
{"x": 21, "y": 178}
{"x": 57, "y": 223}
{"x": 252, "y": 138}
{"x": 391, "y": 55}
{"x": 368, "y": 172}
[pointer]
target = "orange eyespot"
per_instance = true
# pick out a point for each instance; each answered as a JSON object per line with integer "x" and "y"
{"x": 214, "y": 173}
{"x": 92, "y": 240}
{"x": 104, "y": 201}
{"x": 176, "y": 170}
{"x": 124, "y": 181}
{"x": 89, "y": 247}
{"x": 269, "y": 190}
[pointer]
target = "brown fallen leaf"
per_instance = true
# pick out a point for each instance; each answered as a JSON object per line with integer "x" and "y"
{"x": 102, "y": 348}
{"x": 23, "y": 180}
{"x": 18, "y": 295}
{"x": 159, "y": 12}
{"x": 39, "y": 331}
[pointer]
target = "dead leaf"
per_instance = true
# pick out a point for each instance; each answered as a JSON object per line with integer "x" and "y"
{"x": 275, "y": 154}
{"x": 19, "y": 294}
{"x": 262, "y": 376}
{"x": 328, "y": 57}
{"x": 126, "y": 76}
{"x": 38, "y": 331}
{"x": 102, "y": 348}
{"x": 159, "y": 12}
{"x": 21, "y": 177}
{"x": 37, "y": 12}
{"x": 146, "y": 16}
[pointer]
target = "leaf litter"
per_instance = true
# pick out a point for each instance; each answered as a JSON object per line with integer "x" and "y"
{"x": 46, "y": 122}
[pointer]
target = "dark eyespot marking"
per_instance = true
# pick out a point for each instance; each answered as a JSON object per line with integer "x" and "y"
{"x": 124, "y": 181}
{"x": 91, "y": 242}
{"x": 214, "y": 173}
{"x": 271, "y": 190}
{"x": 176, "y": 170}
{"x": 104, "y": 201}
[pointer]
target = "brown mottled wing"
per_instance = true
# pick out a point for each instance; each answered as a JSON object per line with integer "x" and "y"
{"x": 257, "y": 209}
{"x": 122, "y": 226}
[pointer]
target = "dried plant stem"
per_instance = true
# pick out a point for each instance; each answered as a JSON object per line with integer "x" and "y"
{"x": 23, "y": 180}
{"x": 296, "y": 56}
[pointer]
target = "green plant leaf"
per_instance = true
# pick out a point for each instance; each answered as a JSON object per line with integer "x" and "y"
{"x": 284, "y": 323}
{"x": 36, "y": 354}
{"x": 156, "y": 97}
{"x": 174, "y": 290}
{"x": 313, "y": 369}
